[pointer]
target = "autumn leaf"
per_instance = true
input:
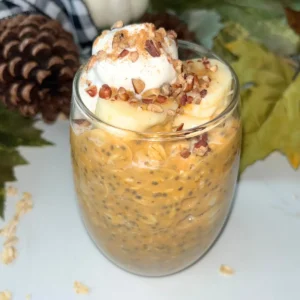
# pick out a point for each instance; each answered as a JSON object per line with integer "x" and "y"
{"x": 15, "y": 131}
{"x": 270, "y": 107}
{"x": 280, "y": 131}
{"x": 263, "y": 77}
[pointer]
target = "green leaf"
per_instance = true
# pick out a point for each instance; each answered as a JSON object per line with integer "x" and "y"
{"x": 205, "y": 23}
{"x": 15, "y": 131}
{"x": 2, "y": 199}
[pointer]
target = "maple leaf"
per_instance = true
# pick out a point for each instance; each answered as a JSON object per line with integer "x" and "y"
{"x": 15, "y": 131}
{"x": 266, "y": 75}
{"x": 280, "y": 131}
{"x": 270, "y": 103}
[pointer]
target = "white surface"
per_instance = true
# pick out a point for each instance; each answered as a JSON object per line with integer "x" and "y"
{"x": 261, "y": 240}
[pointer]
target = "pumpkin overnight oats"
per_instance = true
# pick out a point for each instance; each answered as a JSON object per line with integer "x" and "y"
{"x": 155, "y": 138}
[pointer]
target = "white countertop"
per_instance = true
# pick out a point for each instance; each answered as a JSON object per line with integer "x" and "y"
{"x": 261, "y": 240}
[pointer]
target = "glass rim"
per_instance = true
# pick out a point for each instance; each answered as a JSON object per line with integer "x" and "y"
{"x": 185, "y": 45}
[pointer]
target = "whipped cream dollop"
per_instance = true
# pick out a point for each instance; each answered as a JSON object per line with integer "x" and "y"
{"x": 122, "y": 54}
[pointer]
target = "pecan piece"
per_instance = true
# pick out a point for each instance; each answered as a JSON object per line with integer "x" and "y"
{"x": 180, "y": 127}
{"x": 166, "y": 89}
{"x": 155, "y": 108}
{"x": 203, "y": 93}
{"x": 185, "y": 153}
{"x": 134, "y": 56}
{"x": 189, "y": 83}
{"x": 122, "y": 94}
{"x": 147, "y": 100}
{"x": 92, "y": 90}
{"x": 138, "y": 85}
{"x": 105, "y": 92}
{"x": 183, "y": 100}
{"x": 172, "y": 34}
{"x": 214, "y": 68}
{"x": 123, "y": 53}
{"x": 161, "y": 99}
{"x": 118, "y": 24}
{"x": 151, "y": 48}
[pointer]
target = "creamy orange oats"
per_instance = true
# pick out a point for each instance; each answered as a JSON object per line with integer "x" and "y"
{"x": 154, "y": 199}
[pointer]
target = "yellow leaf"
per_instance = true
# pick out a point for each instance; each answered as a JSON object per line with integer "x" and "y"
{"x": 270, "y": 103}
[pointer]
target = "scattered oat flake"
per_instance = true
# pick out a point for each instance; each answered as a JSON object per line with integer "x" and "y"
{"x": 8, "y": 255}
{"x": 80, "y": 288}
{"x": 226, "y": 270}
{"x": 5, "y": 295}
{"x": 10, "y": 241}
{"x": 11, "y": 191}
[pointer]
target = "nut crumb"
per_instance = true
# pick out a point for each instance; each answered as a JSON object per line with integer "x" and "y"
{"x": 134, "y": 56}
{"x": 5, "y": 295}
{"x": 80, "y": 288}
{"x": 155, "y": 108}
{"x": 11, "y": 191}
{"x": 118, "y": 24}
{"x": 138, "y": 85}
{"x": 214, "y": 68}
{"x": 226, "y": 270}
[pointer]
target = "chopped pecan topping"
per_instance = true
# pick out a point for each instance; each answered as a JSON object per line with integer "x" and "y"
{"x": 180, "y": 127}
{"x": 172, "y": 34}
{"x": 171, "y": 112}
{"x": 161, "y": 99}
{"x": 122, "y": 94}
{"x": 138, "y": 85}
{"x": 155, "y": 108}
{"x": 92, "y": 90}
{"x": 177, "y": 64}
{"x": 203, "y": 93}
{"x": 206, "y": 78}
{"x": 105, "y": 92}
{"x": 123, "y": 53}
{"x": 202, "y": 141}
{"x": 190, "y": 99}
{"x": 214, "y": 68}
{"x": 133, "y": 101}
{"x": 189, "y": 83}
{"x": 101, "y": 55}
{"x": 151, "y": 48}
{"x": 183, "y": 100}
{"x": 166, "y": 89}
{"x": 185, "y": 153}
{"x": 134, "y": 56}
{"x": 205, "y": 63}
{"x": 147, "y": 100}
{"x": 201, "y": 147}
{"x": 118, "y": 24}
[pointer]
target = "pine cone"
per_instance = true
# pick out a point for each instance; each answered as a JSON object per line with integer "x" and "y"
{"x": 170, "y": 22}
{"x": 38, "y": 60}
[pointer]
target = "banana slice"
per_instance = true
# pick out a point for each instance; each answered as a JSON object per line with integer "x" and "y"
{"x": 132, "y": 117}
{"x": 216, "y": 98}
{"x": 188, "y": 121}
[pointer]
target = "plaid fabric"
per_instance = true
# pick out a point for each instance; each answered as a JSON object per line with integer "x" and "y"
{"x": 72, "y": 14}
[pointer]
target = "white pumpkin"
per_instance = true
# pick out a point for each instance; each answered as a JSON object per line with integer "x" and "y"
{"x": 106, "y": 12}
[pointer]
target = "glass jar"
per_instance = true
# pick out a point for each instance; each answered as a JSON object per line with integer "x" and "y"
{"x": 150, "y": 210}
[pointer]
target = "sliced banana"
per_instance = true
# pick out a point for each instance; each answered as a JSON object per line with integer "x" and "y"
{"x": 132, "y": 117}
{"x": 217, "y": 96}
{"x": 188, "y": 121}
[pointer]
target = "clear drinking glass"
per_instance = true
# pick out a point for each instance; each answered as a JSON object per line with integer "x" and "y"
{"x": 148, "y": 209}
